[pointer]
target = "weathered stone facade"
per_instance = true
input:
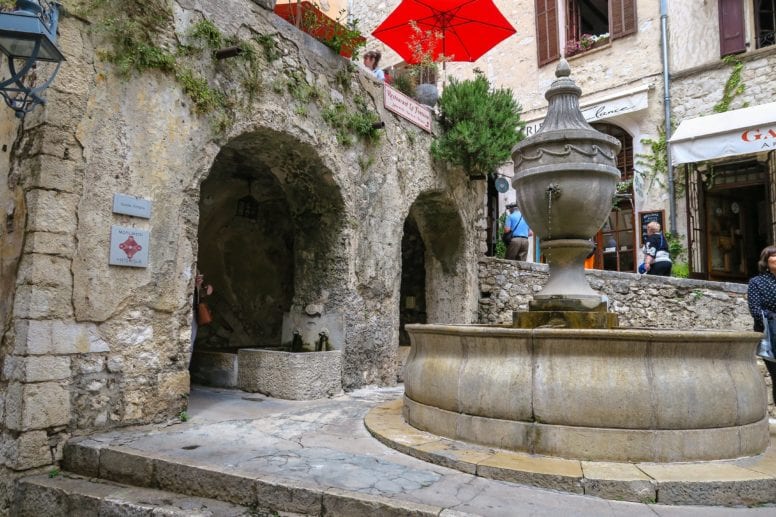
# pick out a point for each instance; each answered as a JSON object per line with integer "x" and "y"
{"x": 89, "y": 346}
{"x": 639, "y": 301}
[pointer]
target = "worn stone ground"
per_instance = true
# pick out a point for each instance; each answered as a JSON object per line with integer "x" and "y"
{"x": 323, "y": 445}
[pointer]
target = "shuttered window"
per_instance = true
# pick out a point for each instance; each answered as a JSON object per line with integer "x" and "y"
{"x": 547, "y": 44}
{"x": 732, "y": 39}
{"x": 622, "y": 18}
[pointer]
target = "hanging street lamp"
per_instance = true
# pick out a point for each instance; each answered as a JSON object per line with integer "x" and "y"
{"x": 28, "y": 37}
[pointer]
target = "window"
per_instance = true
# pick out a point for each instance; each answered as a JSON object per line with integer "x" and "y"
{"x": 589, "y": 23}
{"x": 765, "y": 22}
{"x": 732, "y": 33}
{"x": 616, "y": 242}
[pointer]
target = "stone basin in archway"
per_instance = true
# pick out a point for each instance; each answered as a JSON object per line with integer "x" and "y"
{"x": 609, "y": 395}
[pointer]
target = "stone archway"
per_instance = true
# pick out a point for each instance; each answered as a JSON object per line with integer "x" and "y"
{"x": 270, "y": 218}
{"x": 433, "y": 272}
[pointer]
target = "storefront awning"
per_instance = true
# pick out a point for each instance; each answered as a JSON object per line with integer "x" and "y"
{"x": 743, "y": 131}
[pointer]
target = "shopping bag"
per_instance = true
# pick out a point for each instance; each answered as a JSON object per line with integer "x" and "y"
{"x": 765, "y": 348}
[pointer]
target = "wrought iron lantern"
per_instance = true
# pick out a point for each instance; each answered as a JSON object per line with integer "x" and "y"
{"x": 28, "y": 37}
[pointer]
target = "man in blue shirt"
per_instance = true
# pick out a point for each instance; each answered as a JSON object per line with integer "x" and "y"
{"x": 518, "y": 246}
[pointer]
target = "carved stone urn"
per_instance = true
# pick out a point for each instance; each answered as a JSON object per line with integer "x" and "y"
{"x": 565, "y": 177}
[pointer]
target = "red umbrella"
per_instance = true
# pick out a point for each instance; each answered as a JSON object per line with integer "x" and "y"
{"x": 469, "y": 28}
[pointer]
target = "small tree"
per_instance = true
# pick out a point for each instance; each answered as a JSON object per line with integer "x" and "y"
{"x": 479, "y": 125}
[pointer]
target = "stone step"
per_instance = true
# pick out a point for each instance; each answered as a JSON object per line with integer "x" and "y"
{"x": 115, "y": 463}
{"x": 71, "y": 495}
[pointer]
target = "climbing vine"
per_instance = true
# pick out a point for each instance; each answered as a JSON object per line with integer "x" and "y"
{"x": 734, "y": 86}
{"x": 652, "y": 166}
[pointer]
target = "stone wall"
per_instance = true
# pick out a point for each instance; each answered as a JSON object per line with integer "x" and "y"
{"x": 88, "y": 346}
{"x": 638, "y": 300}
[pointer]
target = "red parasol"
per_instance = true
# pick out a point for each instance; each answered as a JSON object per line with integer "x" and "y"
{"x": 469, "y": 28}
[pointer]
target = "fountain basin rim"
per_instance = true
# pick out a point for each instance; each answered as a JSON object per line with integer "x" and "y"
{"x": 642, "y": 333}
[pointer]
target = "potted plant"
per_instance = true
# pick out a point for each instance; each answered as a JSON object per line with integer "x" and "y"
{"x": 425, "y": 66}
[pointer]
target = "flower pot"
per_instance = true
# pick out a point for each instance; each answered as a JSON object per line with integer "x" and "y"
{"x": 427, "y": 94}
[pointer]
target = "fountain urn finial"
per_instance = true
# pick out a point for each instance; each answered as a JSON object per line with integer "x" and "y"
{"x": 565, "y": 178}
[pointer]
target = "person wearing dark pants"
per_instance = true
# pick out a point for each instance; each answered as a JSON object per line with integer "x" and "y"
{"x": 761, "y": 296}
{"x": 657, "y": 260}
{"x": 517, "y": 249}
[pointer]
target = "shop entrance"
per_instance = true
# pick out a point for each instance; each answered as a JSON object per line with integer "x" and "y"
{"x": 729, "y": 219}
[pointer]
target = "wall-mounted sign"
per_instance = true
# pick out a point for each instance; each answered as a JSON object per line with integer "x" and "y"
{"x": 502, "y": 184}
{"x": 417, "y": 113}
{"x": 634, "y": 100}
{"x": 647, "y": 217}
{"x": 131, "y": 205}
{"x": 128, "y": 247}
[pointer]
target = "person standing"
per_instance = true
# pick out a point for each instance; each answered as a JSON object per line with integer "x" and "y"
{"x": 201, "y": 290}
{"x": 517, "y": 249}
{"x": 761, "y": 296}
{"x": 657, "y": 260}
{"x": 371, "y": 60}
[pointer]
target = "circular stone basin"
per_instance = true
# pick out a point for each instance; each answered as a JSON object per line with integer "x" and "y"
{"x": 611, "y": 395}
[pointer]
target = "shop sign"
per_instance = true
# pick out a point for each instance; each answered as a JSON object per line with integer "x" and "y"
{"x": 128, "y": 247}
{"x": 131, "y": 205}
{"x": 407, "y": 108}
{"x": 601, "y": 110}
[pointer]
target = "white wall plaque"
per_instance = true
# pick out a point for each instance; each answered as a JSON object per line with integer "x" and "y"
{"x": 128, "y": 247}
{"x": 415, "y": 112}
{"x": 131, "y": 205}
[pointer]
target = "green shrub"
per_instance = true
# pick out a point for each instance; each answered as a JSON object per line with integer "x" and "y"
{"x": 680, "y": 270}
{"x": 479, "y": 126}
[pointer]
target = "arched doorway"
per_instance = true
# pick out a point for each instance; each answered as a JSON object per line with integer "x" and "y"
{"x": 270, "y": 217}
{"x": 433, "y": 270}
{"x": 616, "y": 241}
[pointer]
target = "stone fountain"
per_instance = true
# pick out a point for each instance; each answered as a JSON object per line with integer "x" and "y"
{"x": 564, "y": 380}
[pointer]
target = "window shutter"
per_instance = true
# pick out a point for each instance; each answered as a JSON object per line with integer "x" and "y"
{"x": 547, "y": 31}
{"x": 732, "y": 39}
{"x": 622, "y": 18}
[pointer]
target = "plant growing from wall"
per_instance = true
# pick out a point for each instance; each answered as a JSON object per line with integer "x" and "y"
{"x": 480, "y": 125}
{"x": 348, "y": 123}
{"x": 734, "y": 86}
{"x": 652, "y": 167}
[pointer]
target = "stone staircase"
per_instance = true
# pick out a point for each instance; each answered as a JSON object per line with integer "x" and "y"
{"x": 103, "y": 480}
{"x": 71, "y": 495}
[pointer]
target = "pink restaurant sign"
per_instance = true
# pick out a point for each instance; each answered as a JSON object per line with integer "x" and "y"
{"x": 397, "y": 102}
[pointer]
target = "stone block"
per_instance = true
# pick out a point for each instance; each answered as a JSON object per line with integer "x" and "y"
{"x": 41, "y": 337}
{"x": 354, "y": 504}
{"x": 711, "y": 483}
{"x": 294, "y": 376}
{"x": 618, "y": 481}
{"x": 126, "y": 466}
{"x": 44, "y": 270}
{"x": 541, "y": 471}
{"x": 203, "y": 482}
{"x": 43, "y": 302}
{"x": 49, "y": 243}
{"x": 52, "y": 211}
{"x": 30, "y": 450}
{"x": 53, "y": 173}
{"x": 36, "y": 368}
{"x": 81, "y": 458}
{"x": 289, "y": 496}
{"x": 37, "y": 406}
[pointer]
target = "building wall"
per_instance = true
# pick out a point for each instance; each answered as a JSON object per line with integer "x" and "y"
{"x": 89, "y": 346}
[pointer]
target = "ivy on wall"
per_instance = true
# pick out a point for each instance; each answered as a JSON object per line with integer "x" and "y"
{"x": 140, "y": 37}
{"x": 734, "y": 86}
